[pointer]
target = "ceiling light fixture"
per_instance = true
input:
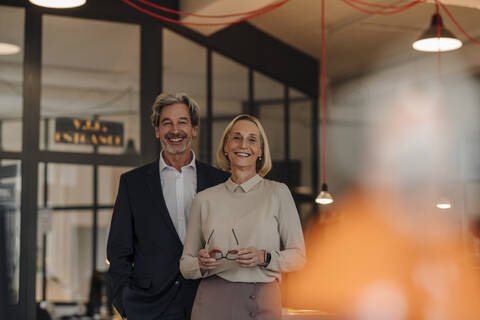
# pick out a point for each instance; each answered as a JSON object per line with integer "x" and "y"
{"x": 59, "y": 4}
{"x": 8, "y": 48}
{"x": 443, "y": 204}
{"x": 433, "y": 41}
{"x": 324, "y": 197}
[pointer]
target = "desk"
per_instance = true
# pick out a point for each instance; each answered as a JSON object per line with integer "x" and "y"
{"x": 294, "y": 314}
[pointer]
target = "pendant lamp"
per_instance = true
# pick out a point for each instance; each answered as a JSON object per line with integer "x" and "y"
{"x": 324, "y": 197}
{"x": 59, "y": 4}
{"x": 431, "y": 41}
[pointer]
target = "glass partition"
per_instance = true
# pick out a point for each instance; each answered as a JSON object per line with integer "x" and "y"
{"x": 12, "y": 22}
{"x": 68, "y": 263}
{"x": 230, "y": 95}
{"x": 269, "y": 102}
{"x": 103, "y": 228}
{"x": 90, "y": 86}
{"x": 64, "y": 254}
{"x": 65, "y": 185}
{"x": 108, "y": 181}
{"x": 301, "y": 138}
{"x": 301, "y": 152}
{"x": 185, "y": 70}
{"x": 65, "y": 227}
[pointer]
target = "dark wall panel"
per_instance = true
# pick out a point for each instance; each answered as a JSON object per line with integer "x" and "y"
{"x": 253, "y": 47}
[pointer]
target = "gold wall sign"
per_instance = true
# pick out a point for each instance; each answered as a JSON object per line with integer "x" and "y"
{"x": 90, "y": 132}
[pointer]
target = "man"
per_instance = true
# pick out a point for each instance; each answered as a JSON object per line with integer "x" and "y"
{"x": 150, "y": 217}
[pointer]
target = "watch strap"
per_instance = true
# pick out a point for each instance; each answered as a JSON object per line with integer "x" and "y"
{"x": 267, "y": 258}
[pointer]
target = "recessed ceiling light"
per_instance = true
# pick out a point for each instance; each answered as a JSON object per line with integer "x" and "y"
{"x": 59, "y": 4}
{"x": 8, "y": 48}
{"x": 444, "y": 204}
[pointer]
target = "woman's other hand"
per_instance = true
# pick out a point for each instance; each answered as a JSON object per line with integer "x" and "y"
{"x": 206, "y": 262}
{"x": 250, "y": 257}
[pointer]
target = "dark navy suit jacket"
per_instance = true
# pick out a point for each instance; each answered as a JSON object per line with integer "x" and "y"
{"x": 143, "y": 248}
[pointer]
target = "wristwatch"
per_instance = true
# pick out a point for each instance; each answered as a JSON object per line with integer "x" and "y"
{"x": 267, "y": 259}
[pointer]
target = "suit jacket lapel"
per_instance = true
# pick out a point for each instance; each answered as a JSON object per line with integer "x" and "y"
{"x": 202, "y": 176}
{"x": 153, "y": 182}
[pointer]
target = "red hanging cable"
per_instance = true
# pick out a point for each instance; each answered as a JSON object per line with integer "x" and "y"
{"x": 183, "y": 13}
{"x": 323, "y": 97}
{"x": 375, "y": 5}
{"x": 201, "y": 24}
{"x": 398, "y": 9}
{"x": 439, "y": 53}
{"x": 458, "y": 25}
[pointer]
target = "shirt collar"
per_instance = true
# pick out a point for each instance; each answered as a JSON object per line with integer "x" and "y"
{"x": 246, "y": 186}
{"x": 164, "y": 165}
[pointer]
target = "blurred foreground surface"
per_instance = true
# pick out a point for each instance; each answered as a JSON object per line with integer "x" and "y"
{"x": 378, "y": 261}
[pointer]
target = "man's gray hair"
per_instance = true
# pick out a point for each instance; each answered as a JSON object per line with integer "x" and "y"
{"x": 167, "y": 99}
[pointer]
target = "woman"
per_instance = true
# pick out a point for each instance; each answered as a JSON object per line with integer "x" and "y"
{"x": 242, "y": 234}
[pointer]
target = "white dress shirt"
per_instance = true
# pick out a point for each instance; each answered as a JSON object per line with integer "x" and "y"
{"x": 179, "y": 189}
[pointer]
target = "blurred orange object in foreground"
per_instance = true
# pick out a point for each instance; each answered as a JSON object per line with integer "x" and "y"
{"x": 383, "y": 260}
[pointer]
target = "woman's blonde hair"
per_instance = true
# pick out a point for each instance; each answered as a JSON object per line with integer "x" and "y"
{"x": 264, "y": 165}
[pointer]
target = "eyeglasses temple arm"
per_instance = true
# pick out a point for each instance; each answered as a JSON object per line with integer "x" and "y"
{"x": 210, "y": 236}
{"x": 235, "y": 236}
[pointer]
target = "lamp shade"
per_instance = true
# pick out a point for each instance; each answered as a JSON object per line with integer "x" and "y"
{"x": 7, "y": 48}
{"x": 59, "y": 4}
{"x": 429, "y": 41}
{"x": 324, "y": 197}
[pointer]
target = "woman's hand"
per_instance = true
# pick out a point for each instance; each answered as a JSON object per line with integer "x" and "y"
{"x": 250, "y": 257}
{"x": 205, "y": 262}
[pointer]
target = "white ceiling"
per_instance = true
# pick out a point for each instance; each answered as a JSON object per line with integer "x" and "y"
{"x": 356, "y": 43}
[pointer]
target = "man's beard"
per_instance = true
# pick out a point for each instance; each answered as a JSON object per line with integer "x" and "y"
{"x": 174, "y": 150}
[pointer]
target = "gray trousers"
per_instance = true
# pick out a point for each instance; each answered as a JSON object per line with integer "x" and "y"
{"x": 219, "y": 299}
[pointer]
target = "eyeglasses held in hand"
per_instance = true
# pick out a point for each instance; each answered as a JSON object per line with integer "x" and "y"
{"x": 218, "y": 254}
